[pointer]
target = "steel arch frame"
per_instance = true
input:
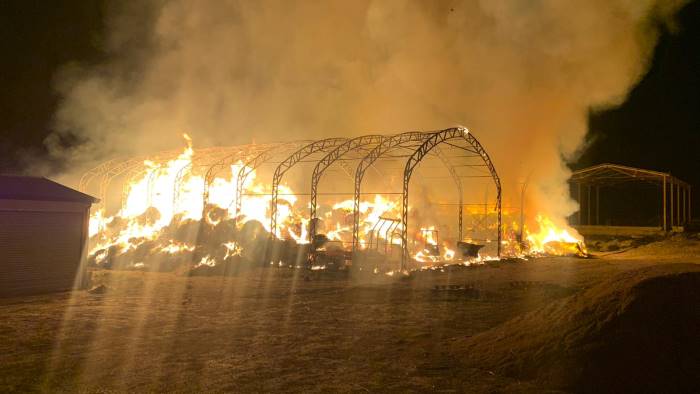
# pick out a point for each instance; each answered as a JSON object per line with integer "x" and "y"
{"x": 458, "y": 182}
{"x": 90, "y": 174}
{"x": 113, "y": 168}
{"x": 431, "y": 142}
{"x": 198, "y": 157}
{"x": 400, "y": 139}
{"x": 106, "y": 177}
{"x": 326, "y": 162}
{"x": 129, "y": 165}
{"x": 251, "y": 165}
{"x": 387, "y": 144}
{"x": 242, "y": 150}
{"x": 301, "y": 153}
{"x": 113, "y": 172}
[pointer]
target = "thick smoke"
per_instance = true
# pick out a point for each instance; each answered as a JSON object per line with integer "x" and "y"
{"x": 522, "y": 75}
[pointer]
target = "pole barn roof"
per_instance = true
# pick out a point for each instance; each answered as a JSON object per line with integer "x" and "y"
{"x": 14, "y": 187}
{"x": 612, "y": 174}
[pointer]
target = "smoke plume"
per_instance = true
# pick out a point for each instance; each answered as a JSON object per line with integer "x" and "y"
{"x": 521, "y": 74}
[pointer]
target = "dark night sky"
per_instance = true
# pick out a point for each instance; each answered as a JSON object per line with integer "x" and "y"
{"x": 656, "y": 128}
{"x": 38, "y": 38}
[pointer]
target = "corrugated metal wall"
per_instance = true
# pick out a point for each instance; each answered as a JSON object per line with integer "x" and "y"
{"x": 39, "y": 251}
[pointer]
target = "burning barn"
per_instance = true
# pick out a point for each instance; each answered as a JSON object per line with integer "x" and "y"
{"x": 43, "y": 235}
{"x": 335, "y": 201}
{"x": 383, "y": 203}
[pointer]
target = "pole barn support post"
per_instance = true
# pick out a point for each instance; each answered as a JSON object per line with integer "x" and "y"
{"x": 580, "y": 203}
{"x": 685, "y": 206}
{"x": 678, "y": 204}
{"x": 672, "y": 213}
{"x": 588, "y": 206}
{"x": 690, "y": 203}
{"x": 597, "y": 205}
{"x": 664, "y": 204}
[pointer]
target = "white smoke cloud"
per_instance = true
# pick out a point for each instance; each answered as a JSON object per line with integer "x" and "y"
{"x": 522, "y": 75}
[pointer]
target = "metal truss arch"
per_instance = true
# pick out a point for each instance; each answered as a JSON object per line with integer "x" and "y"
{"x": 130, "y": 166}
{"x": 458, "y": 182}
{"x": 241, "y": 152}
{"x": 250, "y": 166}
{"x": 387, "y": 144}
{"x": 116, "y": 170}
{"x": 90, "y": 174}
{"x": 328, "y": 160}
{"x": 198, "y": 160}
{"x": 424, "y": 149}
{"x": 301, "y": 153}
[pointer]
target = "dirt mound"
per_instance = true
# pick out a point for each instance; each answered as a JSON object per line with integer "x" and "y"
{"x": 680, "y": 247}
{"x": 636, "y": 332}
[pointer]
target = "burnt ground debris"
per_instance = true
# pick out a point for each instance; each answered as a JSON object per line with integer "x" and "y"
{"x": 275, "y": 329}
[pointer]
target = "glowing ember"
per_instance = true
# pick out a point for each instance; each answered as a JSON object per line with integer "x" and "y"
{"x": 174, "y": 247}
{"x": 425, "y": 256}
{"x": 232, "y": 249}
{"x": 206, "y": 260}
{"x": 449, "y": 254}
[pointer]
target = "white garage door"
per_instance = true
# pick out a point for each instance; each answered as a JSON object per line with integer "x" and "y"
{"x": 39, "y": 251}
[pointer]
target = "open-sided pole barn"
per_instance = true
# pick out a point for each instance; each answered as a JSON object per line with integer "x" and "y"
{"x": 671, "y": 209}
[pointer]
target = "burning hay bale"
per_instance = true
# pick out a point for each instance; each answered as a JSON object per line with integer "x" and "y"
{"x": 553, "y": 240}
{"x": 230, "y": 266}
{"x": 614, "y": 337}
{"x": 565, "y": 248}
{"x": 182, "y": 243}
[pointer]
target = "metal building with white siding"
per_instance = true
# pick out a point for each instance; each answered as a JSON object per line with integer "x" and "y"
{"x": 43, "y": 235}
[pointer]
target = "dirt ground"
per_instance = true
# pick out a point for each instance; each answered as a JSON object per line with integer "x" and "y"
{"x": 275, "y": 330}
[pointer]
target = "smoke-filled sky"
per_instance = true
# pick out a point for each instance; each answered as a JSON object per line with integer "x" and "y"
{"x": 522, "y": 75}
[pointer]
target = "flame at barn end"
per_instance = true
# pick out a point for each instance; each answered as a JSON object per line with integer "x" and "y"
{"x": 550, "y": 239}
